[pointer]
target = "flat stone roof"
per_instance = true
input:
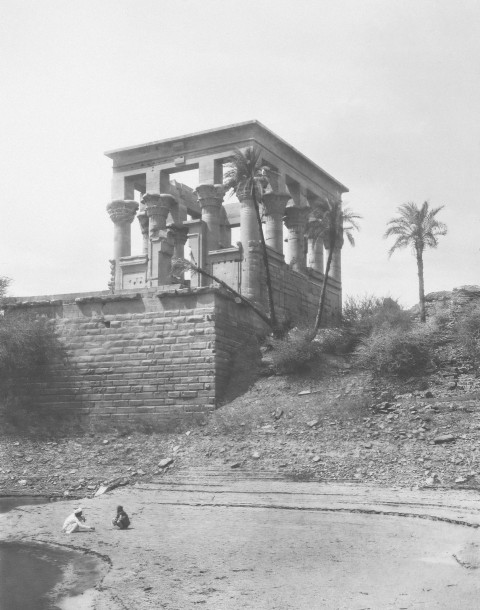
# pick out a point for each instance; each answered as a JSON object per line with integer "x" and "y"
{"x": 216, "y": 140}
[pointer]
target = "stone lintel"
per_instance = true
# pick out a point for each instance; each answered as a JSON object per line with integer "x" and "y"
{"x": 108, "y": 298}
{"x": 138, "y": 259}
{"x": 225, "y": 255}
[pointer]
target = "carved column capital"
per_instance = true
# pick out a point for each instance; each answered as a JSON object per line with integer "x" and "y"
{"x": 157, "y": 207}
{"x": 122, "y": 210}
{"x": 295, "y": 218}
{"x": 274, "y": 204}
{"x": 210, "y": 194}
{"x": 179, "y": 232}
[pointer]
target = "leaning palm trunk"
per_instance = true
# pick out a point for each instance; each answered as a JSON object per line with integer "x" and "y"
{"x": 266, "y": 265}
{"x": 323, "y": 294}
{"x": 184, "y": 264}
{"x": 421, "y": 287}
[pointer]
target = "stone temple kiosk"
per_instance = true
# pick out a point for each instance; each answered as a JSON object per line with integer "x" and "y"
{"x": 158, "y": 344}
{"x": 170, "y": 215}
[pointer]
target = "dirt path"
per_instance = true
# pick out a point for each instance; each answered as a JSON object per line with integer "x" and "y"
{"x": 205, "y": 541}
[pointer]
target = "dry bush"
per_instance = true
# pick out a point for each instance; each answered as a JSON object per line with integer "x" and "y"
{"x": 394, "y": 351}
{"x": 294, "y": 353}
{"x": 28, "y": 345}
{"x": 468, "y": 335}
{"x": 363, "y": 316}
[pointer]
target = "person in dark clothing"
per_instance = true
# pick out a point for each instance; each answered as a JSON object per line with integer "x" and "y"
{"x": 121, "y": 520}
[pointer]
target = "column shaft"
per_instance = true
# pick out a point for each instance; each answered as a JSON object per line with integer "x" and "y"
{"x": 274, "y": 207}
{"x": 122, "y": 212}
{"x": 210, "y": 198}
{"x": 249, "y": 237}
{"x": 295, "y": 220}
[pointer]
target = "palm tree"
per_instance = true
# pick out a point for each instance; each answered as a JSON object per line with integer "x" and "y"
{"x": 418, "y": 228}
{"x": 335, "y": 224}
{"x": 247, "y": 175}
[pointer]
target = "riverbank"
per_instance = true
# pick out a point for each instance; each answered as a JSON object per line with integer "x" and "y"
{"x": 232, "y": 542}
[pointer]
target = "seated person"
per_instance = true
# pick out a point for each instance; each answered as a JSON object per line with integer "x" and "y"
{"x": 74, "y": 523}
{"x": 121, "y": 520}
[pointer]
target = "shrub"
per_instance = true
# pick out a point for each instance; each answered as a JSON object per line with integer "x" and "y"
{"x": 365, "y": 315}
{"x": 331, "y": 341}
{"x": 293, "y": 353}
{"x": 28, "y": 345}
{"x": 468, "y": 335}
{"x": 394, "y": 351}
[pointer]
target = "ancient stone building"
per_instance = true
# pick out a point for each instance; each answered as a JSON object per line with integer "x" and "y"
{"x": 162, "y": 344}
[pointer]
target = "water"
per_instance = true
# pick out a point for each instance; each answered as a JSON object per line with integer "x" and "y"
{"x": 9, "y": 502}
{"x": 36, "y": 577}
{"x": 27, "y": 575}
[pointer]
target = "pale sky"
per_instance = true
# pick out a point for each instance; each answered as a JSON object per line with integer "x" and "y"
{"x": 384, "y": 96}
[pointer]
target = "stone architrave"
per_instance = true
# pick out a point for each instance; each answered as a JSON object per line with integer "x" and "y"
{"x": 274, "y": 205}
{"x": 122, "y": 212}
{"x": 249, "y": 238}
{"x": 315, "y": 245}
{"x": 210, "y": 198}
{"x": 295, "y": 221}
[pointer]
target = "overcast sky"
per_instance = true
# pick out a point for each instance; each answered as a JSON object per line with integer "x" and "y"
{"x": 384, "y": 96}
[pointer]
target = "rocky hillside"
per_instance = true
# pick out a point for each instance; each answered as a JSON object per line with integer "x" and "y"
{"x": 332, "y": 423}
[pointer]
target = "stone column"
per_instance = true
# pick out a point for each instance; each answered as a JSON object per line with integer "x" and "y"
{"x": 274, "y": 205}
{"x": 160, "y": 247}
{"x": 336, "y": 268}
{"x": 210, "y": 171}
{"x": 179, "y": 233}
{"x": 225, "y": 230}
{"x": 249, "y": 237}
{"x": 315, "y": 245}
{"x": 122, "y": 212}
{"x": 210, "y": 198}
{"x": 295, "y": 221}
{"x": 143, "y": 222}
{"x": 157, "y": 208}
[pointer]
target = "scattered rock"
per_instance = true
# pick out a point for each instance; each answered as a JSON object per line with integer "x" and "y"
{"x": 278, "y": 413}
{"x": 256, "y": 455}
{"x": 312, "y": 423}
{"x": 304, "y": 392}
{"x": 22, "y": 482}
{"x": 165, "y": 462}
{"x": 106, "y": 441}
{"x": 443, "y": 438}
{"x": 428, "y": 394}
{"x": 236, "y": 465}
{"x": 316, "y": 458}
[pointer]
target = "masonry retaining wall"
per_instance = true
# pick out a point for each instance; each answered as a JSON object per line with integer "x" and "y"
{"x": 163, "y": 353}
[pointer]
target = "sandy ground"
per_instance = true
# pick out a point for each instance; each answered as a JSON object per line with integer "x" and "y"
{"x": 227, "y": 543}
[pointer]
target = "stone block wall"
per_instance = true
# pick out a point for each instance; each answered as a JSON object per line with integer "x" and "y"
{"x": 161, "y": 353}
{"x": 297, "y": 295}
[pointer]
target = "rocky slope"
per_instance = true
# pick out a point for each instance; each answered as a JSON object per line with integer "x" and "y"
{"x": 333, "y": 423}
